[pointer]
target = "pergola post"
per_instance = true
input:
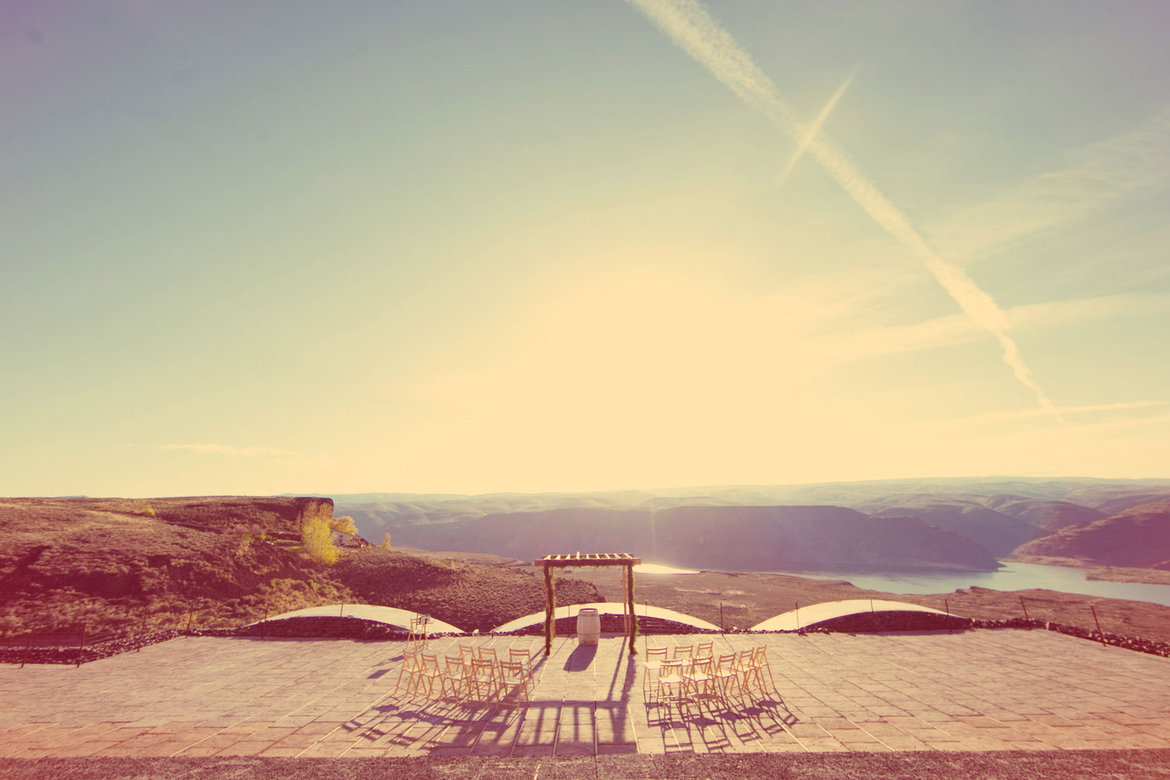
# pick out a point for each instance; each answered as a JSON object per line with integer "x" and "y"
{"x": 550, "y": 610}
{"x": 632, "y": 631}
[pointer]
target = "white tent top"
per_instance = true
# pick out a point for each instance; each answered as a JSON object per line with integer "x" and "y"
{"x": 606, "y": 608}
{"x": 819, "y": 613}
{"x": 391, "y": 616}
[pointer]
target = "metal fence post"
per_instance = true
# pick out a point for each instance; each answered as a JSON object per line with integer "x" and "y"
{"x": 27, "y": 648}
{"x": 1100, "y": 633}
{"x": 81, "y": 646}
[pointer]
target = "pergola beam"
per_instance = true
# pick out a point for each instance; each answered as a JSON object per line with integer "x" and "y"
{"x": 550, "y": 562}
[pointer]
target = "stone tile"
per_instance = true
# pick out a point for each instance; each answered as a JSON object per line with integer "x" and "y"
{"x": 986, "y": 690}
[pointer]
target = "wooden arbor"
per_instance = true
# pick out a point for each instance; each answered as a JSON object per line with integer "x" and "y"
{"x": 550, "y": 562}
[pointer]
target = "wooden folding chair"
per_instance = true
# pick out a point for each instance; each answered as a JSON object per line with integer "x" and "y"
{"x": 522, "y": 656}
{"x": 484, "y": 680}
{"x": 430, "y": 673}
{"x": 699, "y": 680}
{"x": 514, "y": 681}
{"x": 748, "y": 673}
{"x": 727, "y": 674}
{"x": 457, "y": 676}
{"x": 652, "y": 667}
{"x": 671, "y": 686}
{"x": 762, "y": 667}
{"x": 408, "y": 672}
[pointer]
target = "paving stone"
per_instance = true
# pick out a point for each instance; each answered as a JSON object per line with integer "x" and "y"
{"x": 1002, "y": 690}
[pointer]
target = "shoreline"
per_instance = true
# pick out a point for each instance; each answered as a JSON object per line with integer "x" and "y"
{"x": 1098, "y": 571}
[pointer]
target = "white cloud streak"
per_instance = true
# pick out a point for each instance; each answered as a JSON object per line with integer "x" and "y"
{"x": 1123, "y": 406}
{"x": 811, "y": 131}
{"x": 956, "y": 329}
{"x": 1100, "y": 174}
{"x": 691, "y": 28}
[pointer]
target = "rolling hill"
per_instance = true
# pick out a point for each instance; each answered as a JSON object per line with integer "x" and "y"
{"x": 712, "y": 537}
{"x": 112, "y": 564}
{"x": 1136, "y": 537}
{"x": 996, "y": 515}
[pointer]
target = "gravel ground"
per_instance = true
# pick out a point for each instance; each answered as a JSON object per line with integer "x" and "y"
{"x": 935, "y": 765}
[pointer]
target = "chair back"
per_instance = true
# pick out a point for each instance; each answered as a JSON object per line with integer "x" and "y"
{"x": 467, "y": 653}
{"x": 683, "y": 652}
{"x": 520, "y": 656}
{"x": 484, "y": 651}
{"x": 701, "y": 667}
{"x": 671, "y": 669}
{"x": 430, "y": 662}
{"x": 704, "y": 650}
{"x": 514, "y": 679}
{"x": 726, "y": 662}
{"x": 455, "y": 666}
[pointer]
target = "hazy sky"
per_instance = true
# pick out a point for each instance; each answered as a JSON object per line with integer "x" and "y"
{"x": 267, "y": 247}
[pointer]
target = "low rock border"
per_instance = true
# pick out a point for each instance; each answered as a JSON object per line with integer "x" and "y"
{"x": 367, "y": 630}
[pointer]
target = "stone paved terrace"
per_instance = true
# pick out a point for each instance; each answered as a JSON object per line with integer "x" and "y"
{"x": 976, "y": 690}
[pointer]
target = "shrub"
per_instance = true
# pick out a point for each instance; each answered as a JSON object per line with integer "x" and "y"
{"x": 318, "y": 539}
{"x": 343, "y": 524}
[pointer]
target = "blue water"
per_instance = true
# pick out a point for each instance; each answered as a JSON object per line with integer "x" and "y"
{"x": 1013, "y": 576}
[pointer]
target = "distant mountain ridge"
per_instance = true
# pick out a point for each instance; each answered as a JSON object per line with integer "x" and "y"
{"x": 890, "y": 524}
{"x": 712, "y": 537}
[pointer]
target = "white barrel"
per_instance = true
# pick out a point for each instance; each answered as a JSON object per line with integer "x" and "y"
{"x": 588, "y": 626}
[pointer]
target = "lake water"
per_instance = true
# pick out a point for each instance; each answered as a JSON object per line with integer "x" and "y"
{"x": 1013, "y": 576}
{"x": 658, "y": 568}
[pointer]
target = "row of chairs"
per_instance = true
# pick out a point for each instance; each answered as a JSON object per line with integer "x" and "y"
{"x": 476, "y": 674}
{"x": 680, "y": 652}
{"x": 681, "y": 678}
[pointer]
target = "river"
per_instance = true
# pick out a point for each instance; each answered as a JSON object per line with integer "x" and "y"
{"x": 1013, "y": 576}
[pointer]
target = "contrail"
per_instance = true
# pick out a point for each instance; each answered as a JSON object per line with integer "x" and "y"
{"x": 688, "y": 24}
{"x": 811, "y": 132}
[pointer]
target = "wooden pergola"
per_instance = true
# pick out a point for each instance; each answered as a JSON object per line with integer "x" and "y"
{"x": 550, "y": 562}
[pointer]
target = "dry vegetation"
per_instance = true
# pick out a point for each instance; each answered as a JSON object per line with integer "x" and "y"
{"x": 115, "y": 565}
{"x": 112, "y": 564}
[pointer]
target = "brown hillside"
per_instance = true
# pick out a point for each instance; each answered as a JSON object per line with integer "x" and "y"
{"x": 1138, "y": 537}
{"x": 111, "y": 564}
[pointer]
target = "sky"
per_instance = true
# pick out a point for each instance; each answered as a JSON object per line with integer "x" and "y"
{"x": 465, "y": 247}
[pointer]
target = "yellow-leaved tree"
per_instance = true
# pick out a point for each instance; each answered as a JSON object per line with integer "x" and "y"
{"x": 317, "y": 538}
{"x": 344, "y": 524}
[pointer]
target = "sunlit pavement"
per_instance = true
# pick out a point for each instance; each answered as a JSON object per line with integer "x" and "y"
{"x": 976, "y": 690}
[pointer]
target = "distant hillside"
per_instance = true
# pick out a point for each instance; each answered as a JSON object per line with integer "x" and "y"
{"x": 108, "y": 564}
{"x": 1091, "y": 493}
{"x": 1138, "y": 536}
{"x": 713, "y": 537}
{"x": 803, "y": 538}
{"x": 995, "y": 514}
{"x": 999, "y": 523}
